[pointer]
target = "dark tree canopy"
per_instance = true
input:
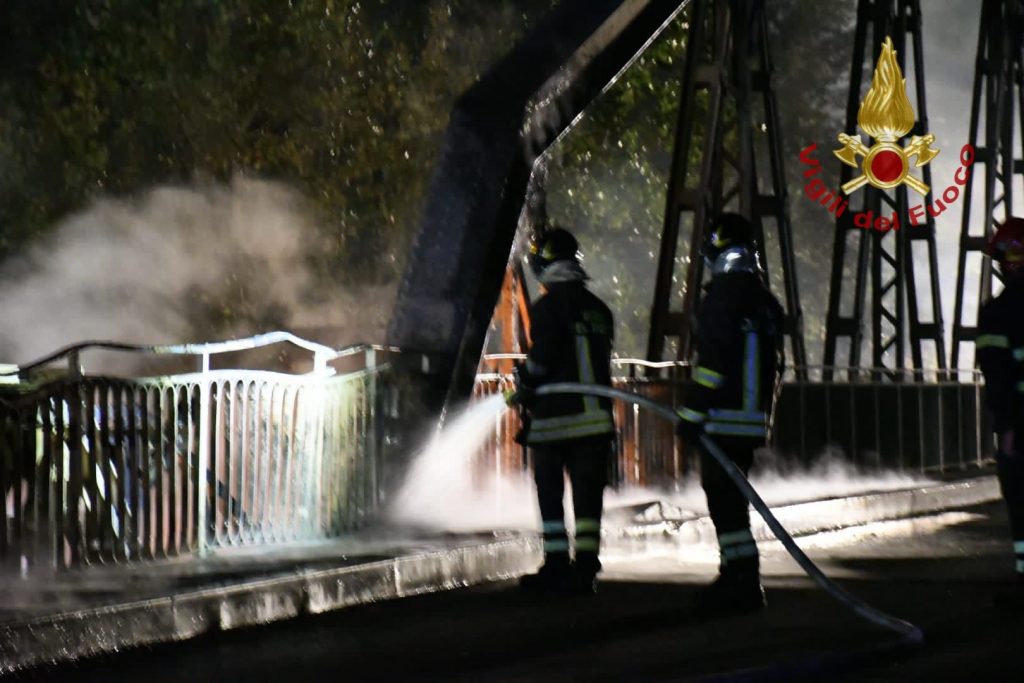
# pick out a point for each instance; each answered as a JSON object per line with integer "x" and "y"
{"x": 346, "y": 101}
{"x": 343, "y": 98}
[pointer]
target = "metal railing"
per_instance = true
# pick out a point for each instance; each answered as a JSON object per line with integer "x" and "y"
{"x": 911, "y": 421}
{"x": 914, "y": 420}
{"x": 97, "y": 469}
{"x": 648, "y": 452}
{"x": 494, "y": 363}
{"x": 103, "y": 470}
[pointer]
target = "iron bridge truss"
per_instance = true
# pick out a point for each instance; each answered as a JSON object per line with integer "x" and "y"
{"x": 728, "y": 66}
{"x": 999, "y": 96}
{"x": 906, "y": 308}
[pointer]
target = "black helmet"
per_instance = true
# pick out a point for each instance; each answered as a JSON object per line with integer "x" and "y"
{"x": 730, "y": 230}
{"x": 552, "y": 245}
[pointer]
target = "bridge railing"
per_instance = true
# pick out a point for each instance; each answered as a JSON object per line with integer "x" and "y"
{"x": 920, "y": 421}
{"x": 98, "y": 469}
{"x": 647, "y": 450}
{"x": 914, "y": 421}
{"x": 106, "y": 470}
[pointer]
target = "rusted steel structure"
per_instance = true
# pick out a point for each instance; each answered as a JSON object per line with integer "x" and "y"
{"x": 510, "y": 325}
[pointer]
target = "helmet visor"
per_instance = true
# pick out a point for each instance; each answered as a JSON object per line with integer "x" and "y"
{"x": 713, "y": 244}
{"x": 535, "y": 259}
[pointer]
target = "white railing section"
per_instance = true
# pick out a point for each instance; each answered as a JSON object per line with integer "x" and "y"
{"x": 103, "y": 470}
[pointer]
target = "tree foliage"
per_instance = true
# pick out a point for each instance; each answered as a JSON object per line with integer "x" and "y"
{"x": 344, "y": 99}
{"x": 609, "y": 176}
{"x": 608, "y": 181}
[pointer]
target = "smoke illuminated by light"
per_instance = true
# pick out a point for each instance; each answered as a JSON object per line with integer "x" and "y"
{"x": 442, "y": 491}
{"x": 181, "y": 263}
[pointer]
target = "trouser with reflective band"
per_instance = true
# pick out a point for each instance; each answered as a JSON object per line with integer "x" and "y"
{"x": 1011, "y": 481}
{"x": 728, "y": 507}
{"x": 586, "y": 461}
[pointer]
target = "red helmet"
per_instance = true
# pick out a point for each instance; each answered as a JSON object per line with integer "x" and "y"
{"x": 1007, "y": 244}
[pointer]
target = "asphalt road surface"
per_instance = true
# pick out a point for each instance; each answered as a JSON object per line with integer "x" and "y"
{"x": 938, "y": 572}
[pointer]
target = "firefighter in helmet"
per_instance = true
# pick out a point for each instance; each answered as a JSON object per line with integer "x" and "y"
{"x": 739, "y": 330}
{"x": 571, "y": 339}
{"x": 1000, "y": 351}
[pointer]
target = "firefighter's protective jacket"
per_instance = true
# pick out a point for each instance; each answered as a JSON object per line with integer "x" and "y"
{"x": 1000, "y": 350}
{"x": 571, "y": 335}
{"x": 739, "y": 344}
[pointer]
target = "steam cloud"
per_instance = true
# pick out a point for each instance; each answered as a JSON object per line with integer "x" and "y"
{"x": 180, "y": 264}
{"x": 441, "y": 492}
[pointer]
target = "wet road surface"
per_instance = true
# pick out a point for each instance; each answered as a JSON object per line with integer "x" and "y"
{"x": 938, "y": 572}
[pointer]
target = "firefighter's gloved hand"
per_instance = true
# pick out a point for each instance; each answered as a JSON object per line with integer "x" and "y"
{"x": 689, "y": 431}
{"x": 523, "y": 396}
{"x": 520, "y": 437}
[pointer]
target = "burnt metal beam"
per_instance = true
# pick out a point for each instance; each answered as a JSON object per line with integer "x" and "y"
{"x": 497, "y": 131}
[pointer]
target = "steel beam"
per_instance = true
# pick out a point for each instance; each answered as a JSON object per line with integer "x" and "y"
{"x": 728, "y": 60}
{"x": 497, "y": 131}
{"x": 997, "y": 91}
{"x": 897, "y": 320}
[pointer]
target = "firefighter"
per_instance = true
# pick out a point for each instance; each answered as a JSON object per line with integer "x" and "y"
{"x": 739, "y": 347}
{"x": 571, "y": 339}
{"x": 1000, "y": 351}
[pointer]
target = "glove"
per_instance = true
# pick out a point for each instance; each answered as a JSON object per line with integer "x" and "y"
{"x": 689, "y": 432}
{"x": 524, "y": 397}
{"x": 524, "y": 429}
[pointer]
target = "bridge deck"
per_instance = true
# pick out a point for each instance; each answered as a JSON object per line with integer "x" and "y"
{"x": 938, "y": 572}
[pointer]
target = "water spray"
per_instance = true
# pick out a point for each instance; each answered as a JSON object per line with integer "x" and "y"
{"x": 441, "y": 492}
{"x": 910, "y": 634}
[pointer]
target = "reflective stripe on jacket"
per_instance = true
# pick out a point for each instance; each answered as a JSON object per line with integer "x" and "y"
{"x": 571, "y": 332}
{"x": 739, "y": 343}
{"x": 999, "y": 347}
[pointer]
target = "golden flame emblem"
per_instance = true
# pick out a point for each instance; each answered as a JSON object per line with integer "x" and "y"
{"x": 886, "y": 115}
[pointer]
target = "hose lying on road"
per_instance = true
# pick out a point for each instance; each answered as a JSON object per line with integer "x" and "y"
{"x": 910, "y": 633}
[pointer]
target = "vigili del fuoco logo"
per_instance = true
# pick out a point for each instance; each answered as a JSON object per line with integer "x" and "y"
{"x": 886, "y": 115}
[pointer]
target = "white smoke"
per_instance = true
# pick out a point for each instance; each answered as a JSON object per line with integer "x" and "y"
{"x": 444, "y": 492}
{"x": 178, "y": 264}
{"x": 441, "y": 491}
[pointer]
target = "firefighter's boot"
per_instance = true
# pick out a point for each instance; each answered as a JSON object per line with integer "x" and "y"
{"x": 1011, "y": 599}
{"x": 737, "y": 590}
{"x": 552, "y": 577}
{"x": 582, "y": 578}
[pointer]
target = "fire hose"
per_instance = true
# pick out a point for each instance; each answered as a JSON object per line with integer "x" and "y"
{"x": 909, "y": 633}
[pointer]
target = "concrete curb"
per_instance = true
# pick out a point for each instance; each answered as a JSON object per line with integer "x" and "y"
{"x": 802, "y": 519}
{"x": 71, "y": 635}
{"x": 82, "y": 633}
